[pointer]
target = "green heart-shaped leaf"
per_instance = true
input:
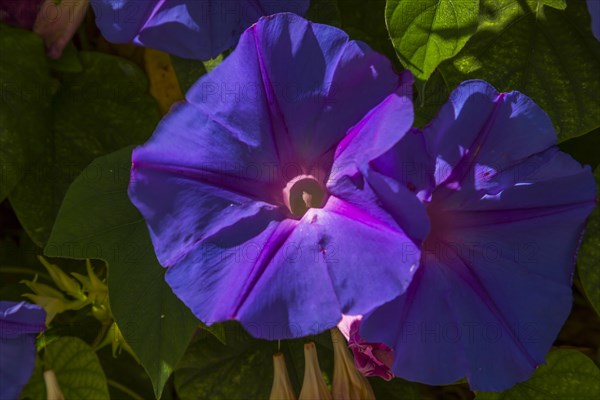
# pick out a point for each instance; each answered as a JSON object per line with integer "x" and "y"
{"x": 97, "y": 220}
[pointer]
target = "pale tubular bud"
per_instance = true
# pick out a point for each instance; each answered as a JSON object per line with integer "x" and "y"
{"x": 53, "y": 391}
{"x": 313, "y": 386}
{"x": 282, "y": 387}
{"x": 348, "y": 382}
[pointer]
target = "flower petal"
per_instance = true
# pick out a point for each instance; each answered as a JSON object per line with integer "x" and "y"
{"x": 121, "y": 20}
{"x": 220, "y": 276}
{"x": 312, "y": 74}
{"x": 419, "y": 326}
{"x": 182, "y": 211}
{"x": 377, "y": 132}
{"x": 20, "y": 318}
{"x": 594, "y": 8}
{"x": 17, "y": 359}
{"x": 197, "y": 175}
{"x": 410, "y": 164}
{"x": 350, "y": 238}
{"x": 199, "y": 29}
{"x": 371, "y": 359}
{"x": 524, "y": 190}
{"x": 477, "y": 310}
{"x": 494, "y": 283}
{"x": 480, "y": 125}
{"x": 278, "y": 273}
{"x": 401, "y": 204}
{"x": 19, "y": 325}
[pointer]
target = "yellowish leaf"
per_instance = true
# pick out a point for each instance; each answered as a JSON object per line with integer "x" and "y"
{"x": 164, "y": 86}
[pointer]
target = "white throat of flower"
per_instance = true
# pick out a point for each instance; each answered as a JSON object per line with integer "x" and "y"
{"x": 303, "y": 192}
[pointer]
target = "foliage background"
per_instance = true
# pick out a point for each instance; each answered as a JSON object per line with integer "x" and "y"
{"x": 67, "y": 128}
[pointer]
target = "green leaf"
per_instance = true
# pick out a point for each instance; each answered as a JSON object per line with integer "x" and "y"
{"x": 567, "y": 375}
{"x": 95, "y": 112}
{"x": 125, "y": 371}
{"x": 362, "y": 20}
{"x": 395, "y": 389}
{"x": 584, "y": 148}
{"x": 243, "y": 369}
{"x": 432, "y": 95}
{"x": 213, "y": 63}
{"x": 547, "y": 54}
{"x": 211, "y": 370}
{"x": 217, "y": 330}
{"x": 97, "y": 220}
{"x": 325, "y": 12}
{"x": 77, "y": 368}
{"x": 589, "y": 256}
{"x": 68, "y": 62}
{"x": 25, "y": 95}
{"x": 427, "y": 32}
{"x": 558, "y": 4}
{"x": 189, "y": 71}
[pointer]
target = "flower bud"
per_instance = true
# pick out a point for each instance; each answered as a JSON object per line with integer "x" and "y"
{"x": 371, "y": 359}
{"x": 313, "y": 386}
{"x": 53, "y": 391}
{"x": 63, "y": 281}
{"x": 56, "y": 23}
{"x": 282, "y": 387}
{"x": 348, "y": 382}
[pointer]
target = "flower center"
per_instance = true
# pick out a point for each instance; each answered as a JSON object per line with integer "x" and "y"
{"x": 301, "y": 193}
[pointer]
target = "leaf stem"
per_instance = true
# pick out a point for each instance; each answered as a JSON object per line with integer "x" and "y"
{"x": 124, "y": 389}
{"x": 10, "y": 269}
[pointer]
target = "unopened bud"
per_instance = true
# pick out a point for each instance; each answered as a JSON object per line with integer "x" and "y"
{"x": 282, "y": 387}
{"x": 53, "y": 391}
{"x": 313, "y": 386}
{"x": 56, "y": 23}
{"x": 348, "y": 382}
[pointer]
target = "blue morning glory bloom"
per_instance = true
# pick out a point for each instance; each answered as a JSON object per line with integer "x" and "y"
{"x": 507, "y": 210}
{"x": 19, "y": 325}
{"x": 252, "y": 192}
{"x": 594, "y": 8}
{"x": 200, "y": 29}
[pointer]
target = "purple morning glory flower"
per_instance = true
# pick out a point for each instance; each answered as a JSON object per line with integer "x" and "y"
{"x": 594, "y": 8}
{"x": 507, "y": 210}
{"x": 19, "y": 325}
{"x": 252, "y": 192}
{"x": 200, "y": 29}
